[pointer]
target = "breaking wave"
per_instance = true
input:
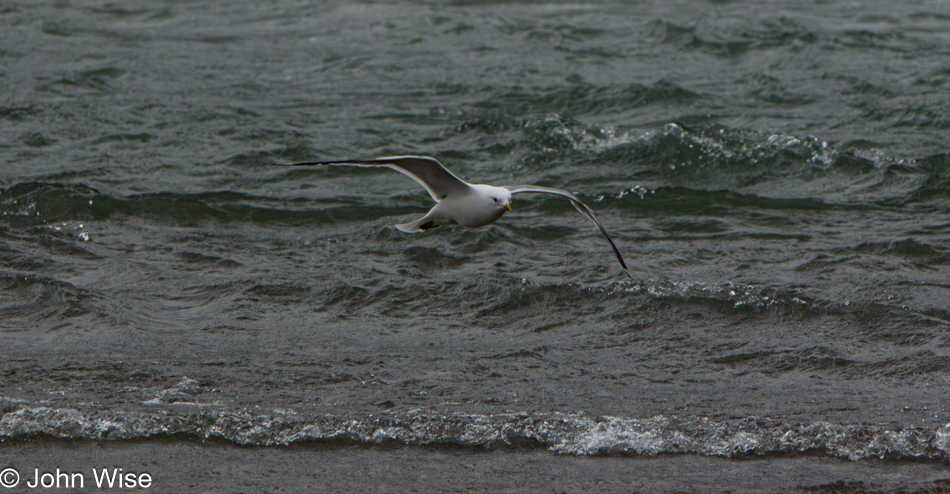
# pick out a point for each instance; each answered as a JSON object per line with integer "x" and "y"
{"x": 575, "y": 434}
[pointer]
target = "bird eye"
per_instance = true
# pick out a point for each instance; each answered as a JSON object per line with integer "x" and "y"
{"x": 494, "y": 199}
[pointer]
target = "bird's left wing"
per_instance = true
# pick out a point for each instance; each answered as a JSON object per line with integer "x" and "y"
{"x": 580, "y": 206}
{"x": 425, "y": 170}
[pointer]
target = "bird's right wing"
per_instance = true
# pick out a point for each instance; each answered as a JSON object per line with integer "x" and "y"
{"x": 425, "y": 170}
{"x": 580, "y": 206}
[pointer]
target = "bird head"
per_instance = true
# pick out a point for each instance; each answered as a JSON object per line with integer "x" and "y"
{"x": 501, "y": 198}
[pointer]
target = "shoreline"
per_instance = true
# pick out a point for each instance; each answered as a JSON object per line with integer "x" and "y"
{"x": 173, "y": 465}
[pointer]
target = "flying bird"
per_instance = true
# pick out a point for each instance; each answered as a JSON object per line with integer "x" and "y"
{"x": 457, "y": 201}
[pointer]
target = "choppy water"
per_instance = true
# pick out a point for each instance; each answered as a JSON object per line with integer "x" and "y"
{"x": 776, "y": 175}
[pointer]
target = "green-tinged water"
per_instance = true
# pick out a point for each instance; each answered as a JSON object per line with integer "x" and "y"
{"x": 776, "y": 176}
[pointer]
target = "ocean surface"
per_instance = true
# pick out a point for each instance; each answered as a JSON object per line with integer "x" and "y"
{"x": 777, "y": 175}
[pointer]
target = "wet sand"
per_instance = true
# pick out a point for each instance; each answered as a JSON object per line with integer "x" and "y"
{"x": 176, "y": 465}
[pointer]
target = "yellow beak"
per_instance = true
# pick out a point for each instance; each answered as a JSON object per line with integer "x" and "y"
{"x": 508, "y": 207}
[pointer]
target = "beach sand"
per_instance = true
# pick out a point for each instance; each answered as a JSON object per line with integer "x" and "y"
{"x": 176, "y": 465}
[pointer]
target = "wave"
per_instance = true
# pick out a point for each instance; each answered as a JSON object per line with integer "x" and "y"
{"x": 36, "y": 290}
{"x": 576, "y": 434}
{"x": 678, "y": 169}
{"x": 709, "y": 158}
{"x": 58, "y": 206}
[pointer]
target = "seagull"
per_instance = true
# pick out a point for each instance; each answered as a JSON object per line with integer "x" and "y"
{"x": 457, "y": 201}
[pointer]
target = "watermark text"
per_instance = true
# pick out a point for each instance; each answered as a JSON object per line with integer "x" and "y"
{"x": 99, "y": 478}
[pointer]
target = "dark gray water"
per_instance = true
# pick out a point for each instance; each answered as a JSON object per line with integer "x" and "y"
{"x": 777, "y": 175}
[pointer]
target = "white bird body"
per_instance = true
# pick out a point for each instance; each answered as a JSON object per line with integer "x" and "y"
{"x": 459, "y": 202}
{"x": 478, "y": 206}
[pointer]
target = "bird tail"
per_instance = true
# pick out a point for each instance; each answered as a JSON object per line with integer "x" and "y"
{"x": 418, "y": 225}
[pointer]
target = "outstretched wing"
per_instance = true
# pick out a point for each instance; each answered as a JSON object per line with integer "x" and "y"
{"x": 580, "y": 206}
{"x": 425, "y": 170}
